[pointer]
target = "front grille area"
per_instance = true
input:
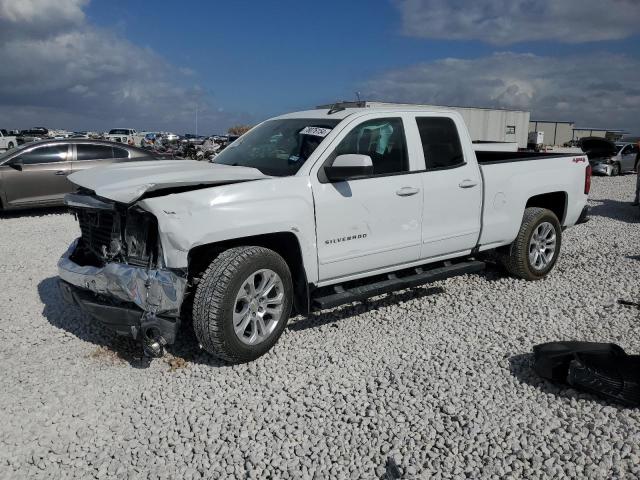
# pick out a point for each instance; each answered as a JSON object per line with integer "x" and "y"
{"x": 116, "y": 235}
{"x": 98, "y": 230}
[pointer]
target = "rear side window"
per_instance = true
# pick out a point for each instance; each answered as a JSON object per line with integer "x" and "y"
{"x": 383, "y": 140}
{"x": 94, "y": 152}
{"x": 52, "y": 154}
{"x": 440, "y": 142}
{"x": 120, "y": 153}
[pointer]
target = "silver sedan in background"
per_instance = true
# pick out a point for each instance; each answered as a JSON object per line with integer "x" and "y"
{"x": 35, "y": 175}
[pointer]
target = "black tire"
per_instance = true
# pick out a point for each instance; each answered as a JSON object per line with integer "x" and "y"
{"x": 615, "y": 169}
{"x": 10, "y": 146}
{"x": 215, "y": 297}
{"x": 516, "y": 257}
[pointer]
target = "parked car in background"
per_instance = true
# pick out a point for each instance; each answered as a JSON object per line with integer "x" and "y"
{"x": 125, "y": 135}
{"x": 190, "y": 138}
{"x": 79, "y": 135}
{"x": 150, "y": 139}
{"x": 35, "y": 175}
{"x": 32, "y": 135}
{"x": 608, "y": 158}
{"x": 7, "y": 142}
{"x": 626, "y": 156}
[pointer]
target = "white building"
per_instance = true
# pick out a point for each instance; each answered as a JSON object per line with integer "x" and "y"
{"x": 559, "y": 133}
{"x": 484, "y": 124}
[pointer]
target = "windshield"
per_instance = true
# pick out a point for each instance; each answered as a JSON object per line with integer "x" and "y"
{"x": 278, "y": 147}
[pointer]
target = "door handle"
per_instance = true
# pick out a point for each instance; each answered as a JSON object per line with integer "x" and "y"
{"x": 467, "y": 183}
{"x": 61, "y": 172}
{"x": 407, "y": 191}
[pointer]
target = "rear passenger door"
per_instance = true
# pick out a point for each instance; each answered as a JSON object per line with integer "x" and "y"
{"x": 451, "y": 186}
{"x": 89, "y": 155}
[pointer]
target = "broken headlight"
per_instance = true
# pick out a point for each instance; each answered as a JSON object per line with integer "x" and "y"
{"x": 141, "y": 238}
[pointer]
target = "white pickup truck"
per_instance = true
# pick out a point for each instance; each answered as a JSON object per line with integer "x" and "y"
{"x": 7, "y": 142}
{"x": 125, "y": 135}
{"x": 308, "y": 211}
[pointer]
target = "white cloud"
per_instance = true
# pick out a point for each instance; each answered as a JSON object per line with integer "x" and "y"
{"x": 592, "y": 90}
{"x": 61, "y": 71}
{"x": 39, "y": 18}
{"x": 510, "y": 21}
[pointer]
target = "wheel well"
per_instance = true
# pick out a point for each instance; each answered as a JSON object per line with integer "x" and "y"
{"x": 284, "y": 244}
{"x": 554, "y": 201}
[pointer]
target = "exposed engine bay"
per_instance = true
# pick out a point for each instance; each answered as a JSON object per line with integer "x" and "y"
{"x": 114, "y": 271}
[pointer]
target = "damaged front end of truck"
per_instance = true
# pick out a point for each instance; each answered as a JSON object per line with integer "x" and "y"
{"x": 115, "y": 272}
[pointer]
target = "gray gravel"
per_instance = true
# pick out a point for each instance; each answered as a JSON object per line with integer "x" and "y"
{"x": 438, "y": 378}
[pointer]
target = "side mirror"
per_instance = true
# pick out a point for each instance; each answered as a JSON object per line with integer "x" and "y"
{"x": 16, "y": 164}
{"x": 349, "y": 166}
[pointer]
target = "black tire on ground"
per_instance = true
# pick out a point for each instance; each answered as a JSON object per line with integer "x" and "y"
{"x": 215, "y": 301}
{"x": 615, "y": 169}
{"x": 10, "y": 146}
{"x": 516, "y": 257}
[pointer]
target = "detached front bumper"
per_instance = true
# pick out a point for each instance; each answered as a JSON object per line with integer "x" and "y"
{"x": 601, "y": 169}
{"x": 128, "y": 299}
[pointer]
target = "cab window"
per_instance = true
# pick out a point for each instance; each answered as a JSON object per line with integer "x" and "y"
{"x": 383, "y": 140}
{"x": 440, "y": 142}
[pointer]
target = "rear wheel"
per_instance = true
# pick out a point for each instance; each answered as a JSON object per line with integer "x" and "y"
{"x": 242, "y": 303}
{"x": 10, "y": 146}
{"x": 535, "y": 250}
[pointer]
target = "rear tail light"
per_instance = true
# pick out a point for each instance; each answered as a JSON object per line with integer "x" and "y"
{"x": 587, "y": 180}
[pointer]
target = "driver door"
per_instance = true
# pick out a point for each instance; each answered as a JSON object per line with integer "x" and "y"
{"x": 38, "y": 176}
{"x": 370, "y": 223}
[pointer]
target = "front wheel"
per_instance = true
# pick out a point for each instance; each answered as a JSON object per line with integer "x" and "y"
{"x": 10, "y": 146}
{"x": 535, "y": 250}
{"x": 242, "y": 303}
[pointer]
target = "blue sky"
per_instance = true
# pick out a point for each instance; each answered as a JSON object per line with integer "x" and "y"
{"x": 246, "y": 60}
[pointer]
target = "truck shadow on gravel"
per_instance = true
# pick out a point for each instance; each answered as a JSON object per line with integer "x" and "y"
{"x": 614, "y": 209}
{"x": 111, "y": 348}
{"x": 521, "y": 367}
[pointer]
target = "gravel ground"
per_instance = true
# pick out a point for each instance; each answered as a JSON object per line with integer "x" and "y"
{"x": 437, "y": 378}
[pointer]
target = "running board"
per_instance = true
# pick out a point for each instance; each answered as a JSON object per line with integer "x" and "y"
{"x": 392, "y": 282}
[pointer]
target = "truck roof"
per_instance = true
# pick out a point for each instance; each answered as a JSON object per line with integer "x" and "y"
{"x": 344, "y": 113}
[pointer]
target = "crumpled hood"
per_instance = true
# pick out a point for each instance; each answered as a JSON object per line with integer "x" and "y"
{"x": 127, "y": 182}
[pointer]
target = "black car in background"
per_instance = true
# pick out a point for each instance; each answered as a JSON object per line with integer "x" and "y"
{"x": 32, "y": 135}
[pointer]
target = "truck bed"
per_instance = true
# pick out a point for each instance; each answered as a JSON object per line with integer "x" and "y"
{"x": 487, "y": 158}
{"x": 510, "y": 181}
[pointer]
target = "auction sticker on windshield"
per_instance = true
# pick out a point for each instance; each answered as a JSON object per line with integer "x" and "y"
{"x": 315, "y": 131}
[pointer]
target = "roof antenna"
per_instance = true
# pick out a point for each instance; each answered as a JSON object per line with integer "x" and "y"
{"x": 336, "y": 107}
